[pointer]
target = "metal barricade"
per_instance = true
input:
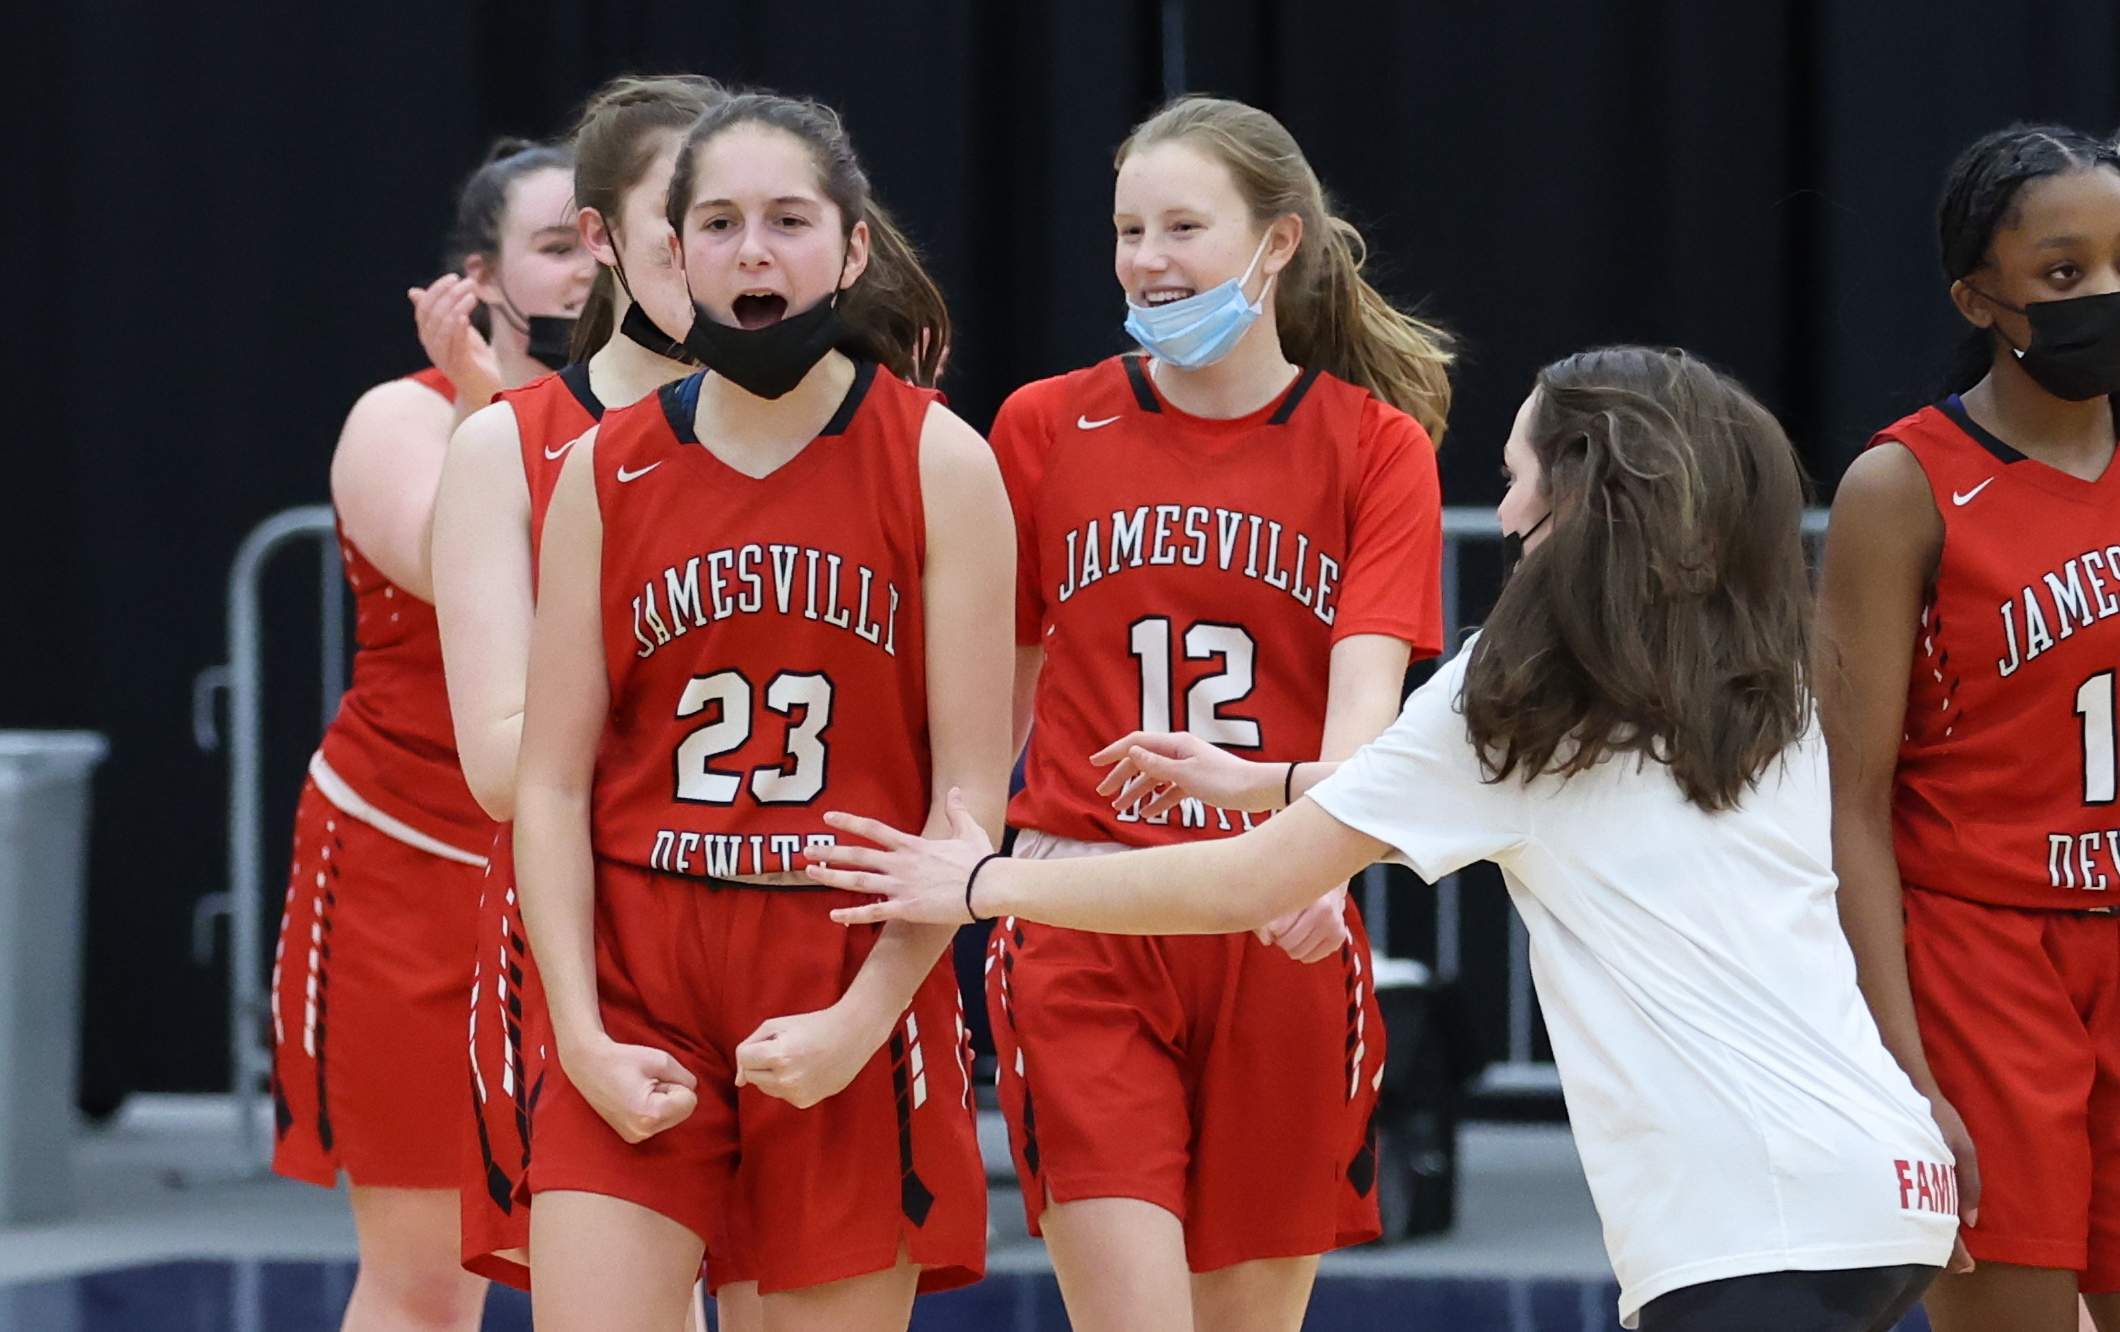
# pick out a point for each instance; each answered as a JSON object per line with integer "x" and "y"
{"x": 241, "y": 677}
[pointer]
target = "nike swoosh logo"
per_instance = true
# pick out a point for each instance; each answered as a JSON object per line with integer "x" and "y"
{"x": 554, "y": 455}
{"x": 625, "y": 475}
{"x": 1084, "y": 423}
{"x": 1967, "y": 497}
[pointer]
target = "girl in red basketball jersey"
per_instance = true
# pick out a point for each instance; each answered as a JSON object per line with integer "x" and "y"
{"x": 368, "y": 979}
{"x": 1238, "y": 535}
{"x": 1971, "y": 606}
{"x": 496, "y": 484}
{"x": 775, "y": 586}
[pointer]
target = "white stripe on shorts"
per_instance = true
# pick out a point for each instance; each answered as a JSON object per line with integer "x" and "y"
{"x": 352, "y": 805}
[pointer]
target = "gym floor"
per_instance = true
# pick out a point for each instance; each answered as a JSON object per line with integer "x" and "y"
{"x": 172, "y": 1234}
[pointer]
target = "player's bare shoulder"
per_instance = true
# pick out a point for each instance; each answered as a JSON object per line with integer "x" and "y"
{"x": 1884, "y": 504}
{"x": 950, "y": 448}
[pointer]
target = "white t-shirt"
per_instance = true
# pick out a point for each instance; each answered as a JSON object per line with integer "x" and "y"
{"x": 1735, "y": 1109}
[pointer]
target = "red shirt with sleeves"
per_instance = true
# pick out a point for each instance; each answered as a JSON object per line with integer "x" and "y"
{"x": 1194, "y": 574}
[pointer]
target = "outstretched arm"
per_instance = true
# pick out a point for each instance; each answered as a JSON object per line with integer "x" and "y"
{"x": 1215, "y": 887}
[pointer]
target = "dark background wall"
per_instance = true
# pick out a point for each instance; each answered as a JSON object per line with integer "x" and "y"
{"x": 215, "y": 207}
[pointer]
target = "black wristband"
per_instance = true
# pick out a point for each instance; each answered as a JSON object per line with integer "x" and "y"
{"x": 973, "y": 878}
{"x": 1288, "y": 787}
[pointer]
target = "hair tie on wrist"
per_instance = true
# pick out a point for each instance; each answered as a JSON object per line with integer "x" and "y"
{"x": 973, "y": 878}
{"x": 1288, "y": 787}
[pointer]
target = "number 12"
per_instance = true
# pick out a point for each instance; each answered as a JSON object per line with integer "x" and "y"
{"x": 1148, "y": 641}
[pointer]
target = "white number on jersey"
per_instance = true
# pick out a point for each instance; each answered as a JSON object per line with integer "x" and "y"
{"x": 2094, "y": 703}
{"x": 1148, "y": 641}
{"x": 699, "y": 783}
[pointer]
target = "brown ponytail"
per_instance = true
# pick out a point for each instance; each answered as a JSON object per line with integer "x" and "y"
{"x": 614, "y": 141}
{"x": 1329, "y": 316}
{"x": 894, "y": 313}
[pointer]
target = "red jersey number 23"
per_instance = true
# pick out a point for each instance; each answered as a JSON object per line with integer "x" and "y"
{"x": 803, "y": 698}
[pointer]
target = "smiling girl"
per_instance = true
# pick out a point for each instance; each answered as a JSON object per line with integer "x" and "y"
{"x": 1236, "y": 533}
{"x": 1972, "y": 634}
{"x": 776, "y": 586}
{"x": 390, "y": 847}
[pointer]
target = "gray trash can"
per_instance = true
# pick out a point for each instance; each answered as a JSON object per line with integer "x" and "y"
{"x": 44, "y": 799}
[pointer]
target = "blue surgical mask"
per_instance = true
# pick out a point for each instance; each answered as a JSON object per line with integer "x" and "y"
{"x": 1202, "y": 328}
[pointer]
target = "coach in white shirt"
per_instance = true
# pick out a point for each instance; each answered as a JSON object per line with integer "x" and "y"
{"x": 1632, "y": 740}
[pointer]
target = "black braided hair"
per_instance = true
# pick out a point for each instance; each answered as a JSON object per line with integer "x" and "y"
{"x": 1980, "y": 195}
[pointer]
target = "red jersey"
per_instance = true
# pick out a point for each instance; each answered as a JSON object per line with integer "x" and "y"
{"x": 551, "y": 412}
{"x": 2005, "y": 787}
{"x": 1184, "y": 573}
{"x": 393, "y": 741}
{"x": 763, "y": 636}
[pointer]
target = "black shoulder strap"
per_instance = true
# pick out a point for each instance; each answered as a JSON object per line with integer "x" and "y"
{"x": 576, "y": 378}
{"x": 1137, "y": 375}
{"x": 680, "y": 403}
{"x": 1295, "y": 397}
{"x": 864, "y": 379}
{"x": 1955, "y": 409}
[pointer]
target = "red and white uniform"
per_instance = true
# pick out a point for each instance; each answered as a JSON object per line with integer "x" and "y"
{"x": 1187, "y": 573}
{"x": 367, "y": 981}
{"x": 2008, "y": 838}
{"x": 510, "y": 1029}
{"x": 765, "y": 647}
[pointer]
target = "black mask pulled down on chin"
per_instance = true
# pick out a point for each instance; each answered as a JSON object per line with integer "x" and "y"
{"x": 551, "y": 340}
{"x": 768, "y": 362}
{"x": 2075, "y": 351}
{"x": 645, "y": 331}
{"x": 1513, "y": 544}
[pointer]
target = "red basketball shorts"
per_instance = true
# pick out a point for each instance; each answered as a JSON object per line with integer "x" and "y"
{"x": 368, "y": 985}
{"x": 820, "y": 1195}
{"x": 2020, "y": 1017}
{"x": 511, "y": 1045}
{"x": 1211, "y": 1075}
{"x": 510, "y": 1042}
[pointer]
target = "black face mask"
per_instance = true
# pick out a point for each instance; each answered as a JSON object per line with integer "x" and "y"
{"x": 551, "y": 340}
{"x": 2075, "y": 351}
{"x": 1513, "y": 544}
{"x": 645, "y": 331}
{"x": 769, "y": 361}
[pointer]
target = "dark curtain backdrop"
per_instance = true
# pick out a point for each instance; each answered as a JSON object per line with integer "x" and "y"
{"x": 214, "y": 208}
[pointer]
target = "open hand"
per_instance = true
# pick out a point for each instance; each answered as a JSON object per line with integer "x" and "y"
{"x": 442, "y": 310}
{"x": 639, "y": 1090}
{"x": 1165, "y": 767}
{"x": 1314, "y": 933}
{"x": 805, "y": 1058}
{"x": 922, "y": 879}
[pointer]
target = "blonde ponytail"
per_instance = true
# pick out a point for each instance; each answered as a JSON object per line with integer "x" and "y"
{"x": 1329, "y": 316}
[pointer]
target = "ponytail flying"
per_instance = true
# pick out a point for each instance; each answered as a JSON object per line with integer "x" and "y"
{"x": 1330, "y": 317}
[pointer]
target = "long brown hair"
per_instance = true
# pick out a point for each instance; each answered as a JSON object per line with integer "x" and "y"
{"x": 1329, "y": 317}
{"x": 614, "y": 142}
{"x": 1667, "y": 614}
{"x": 894, "y": 313}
